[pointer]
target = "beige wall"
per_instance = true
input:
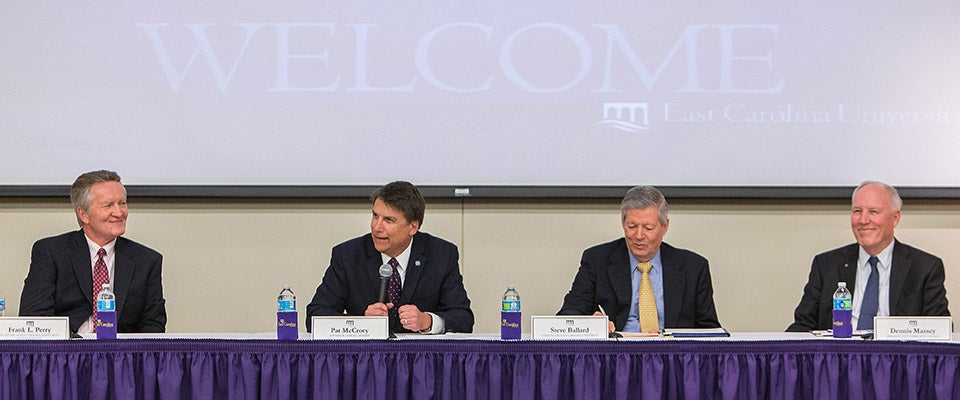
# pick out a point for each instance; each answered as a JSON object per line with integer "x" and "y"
{"x": 224, "y": 262}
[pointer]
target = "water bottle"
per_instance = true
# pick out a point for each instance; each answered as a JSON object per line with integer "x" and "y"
{"x": 106, "y": 313}
{"x": 510, "y": 314}
{"x": 287, "y": 315}
{"x": 286, "y": 301}
{"x": 842, "y": 311}
{"x": 3, "y": 304}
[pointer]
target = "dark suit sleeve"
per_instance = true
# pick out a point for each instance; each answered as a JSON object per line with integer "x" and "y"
{"x": 582, "y": 297}
{"x": 454, "y": 305}
{"x": 934, "y": 292}
{"x": 706, "y": 310}
{"x": 154, "y": 316}
{"x": 807, "y": 315}
{"x": 330, "y": 298}
{"x": 39, "y": 288}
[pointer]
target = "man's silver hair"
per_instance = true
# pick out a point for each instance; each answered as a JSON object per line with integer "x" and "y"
{"x": 80, "y": 195}
{"x": 891, "y": 191}
{"x": 641, "y": 197}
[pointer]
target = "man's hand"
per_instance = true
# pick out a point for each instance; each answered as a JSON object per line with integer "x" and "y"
{"x": 413, "y": 319}
{"x": 377, "y": 310}
{"x": 610, "y": 327}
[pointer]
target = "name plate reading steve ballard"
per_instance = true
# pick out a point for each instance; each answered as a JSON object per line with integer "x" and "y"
{"x": 568, "y": 327}
{"x": 912, "y": 328}
{"x": 350, "y": 328}
{"x": 34, "y": 328}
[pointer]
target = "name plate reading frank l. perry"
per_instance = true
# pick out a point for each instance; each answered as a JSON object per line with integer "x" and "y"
{"x": 569, "y": 327}
{"x": 350, "y": 328}
{"x": 34, "y": 328}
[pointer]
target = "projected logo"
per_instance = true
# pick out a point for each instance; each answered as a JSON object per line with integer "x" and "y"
{"x": 630, "y": 117}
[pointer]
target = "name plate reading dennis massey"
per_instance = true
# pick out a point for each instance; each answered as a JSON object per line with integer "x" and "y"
{"x": 912, "y": 328}
{"x": 350, "y": 328}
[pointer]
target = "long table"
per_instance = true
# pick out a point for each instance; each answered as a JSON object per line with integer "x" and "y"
{"x": 745, "y": 366}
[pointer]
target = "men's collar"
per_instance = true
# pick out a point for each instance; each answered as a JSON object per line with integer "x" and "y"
{"x": 655, "y": 261}
{"x": 885, "y": 256}
{"x": 94, "y": 247}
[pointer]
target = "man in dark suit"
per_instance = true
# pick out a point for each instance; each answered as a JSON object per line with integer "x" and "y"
{"x": 62, "y": 268}
{"x": 611, "y": 277}
{"x": 907, "y": 282}
{"x": 426, "y": 292}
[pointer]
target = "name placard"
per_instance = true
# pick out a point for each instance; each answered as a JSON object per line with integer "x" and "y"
{"x": 34, "y": 328}
{"x": 912, "y": 328}
{"x": 350, "y": 328}
{"x": 569, "y": 327}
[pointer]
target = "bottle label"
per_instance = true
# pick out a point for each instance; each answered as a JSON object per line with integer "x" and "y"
{"x": 511, "y": 306}
{"x": 286, "y": 305}
{"x": 106, "y": 305}
{"x": 843, "y": 304}
{"x": 841, "y": 323}
{"x": 510, "y": 325}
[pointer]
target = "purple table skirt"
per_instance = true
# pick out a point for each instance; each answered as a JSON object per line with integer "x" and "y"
{"x": 471, "y": 369}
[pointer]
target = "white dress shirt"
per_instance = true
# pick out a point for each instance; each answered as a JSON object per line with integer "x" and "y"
{"x": 90, "y": 323}
{"x": 863, "y": 274}
{"x": 437, "y": 325}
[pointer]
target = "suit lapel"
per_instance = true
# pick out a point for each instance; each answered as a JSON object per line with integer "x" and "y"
{"x": 673, "y": 285}
{"x": 414, "y": 268}
{"x": 618, "y": 272}
{"x": 899, "y": 270}
{"x": 847, "y": 272}
{"x": 82, "y": 264}
{"x": 123, "y": 270}
{"x": 372, "y": 264}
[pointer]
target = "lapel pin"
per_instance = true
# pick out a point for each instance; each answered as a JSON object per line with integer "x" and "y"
{"x": 846, "y": 265}
{"x": 417, "y": 263}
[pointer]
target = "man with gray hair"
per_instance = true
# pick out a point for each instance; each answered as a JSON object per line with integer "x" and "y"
{"x": 644, "y": 284}
{"x": 885, "y": 276}
{"x": 68, "y": 271}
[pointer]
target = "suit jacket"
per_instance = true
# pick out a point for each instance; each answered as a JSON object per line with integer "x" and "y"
{"x": 604, "y": 279}
{"x": 60, "y": 283}
{"x": 916, "y": 285}
{"x": 432, "y": 282}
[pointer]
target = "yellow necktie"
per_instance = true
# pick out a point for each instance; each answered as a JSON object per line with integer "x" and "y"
{"x": 647, "y": 304}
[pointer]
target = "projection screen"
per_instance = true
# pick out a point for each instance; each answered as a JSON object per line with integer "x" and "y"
{"x": 511, "y": 93}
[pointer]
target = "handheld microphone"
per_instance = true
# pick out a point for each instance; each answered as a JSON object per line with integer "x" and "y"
{"x": 385, "y": 271}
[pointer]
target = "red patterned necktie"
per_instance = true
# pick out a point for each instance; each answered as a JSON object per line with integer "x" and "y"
{"x": 100, "y": 277}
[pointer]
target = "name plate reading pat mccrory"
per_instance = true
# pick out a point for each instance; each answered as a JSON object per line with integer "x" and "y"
{"x": 34, "y": 328}
{"x": 350, "y": 328}
{"x": 569, "y": 327}
{"x": 912, "y": 328}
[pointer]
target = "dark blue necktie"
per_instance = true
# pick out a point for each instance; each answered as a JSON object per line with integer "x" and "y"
{"x": 393, "y": 286}
{"x": 871, "y": 297}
